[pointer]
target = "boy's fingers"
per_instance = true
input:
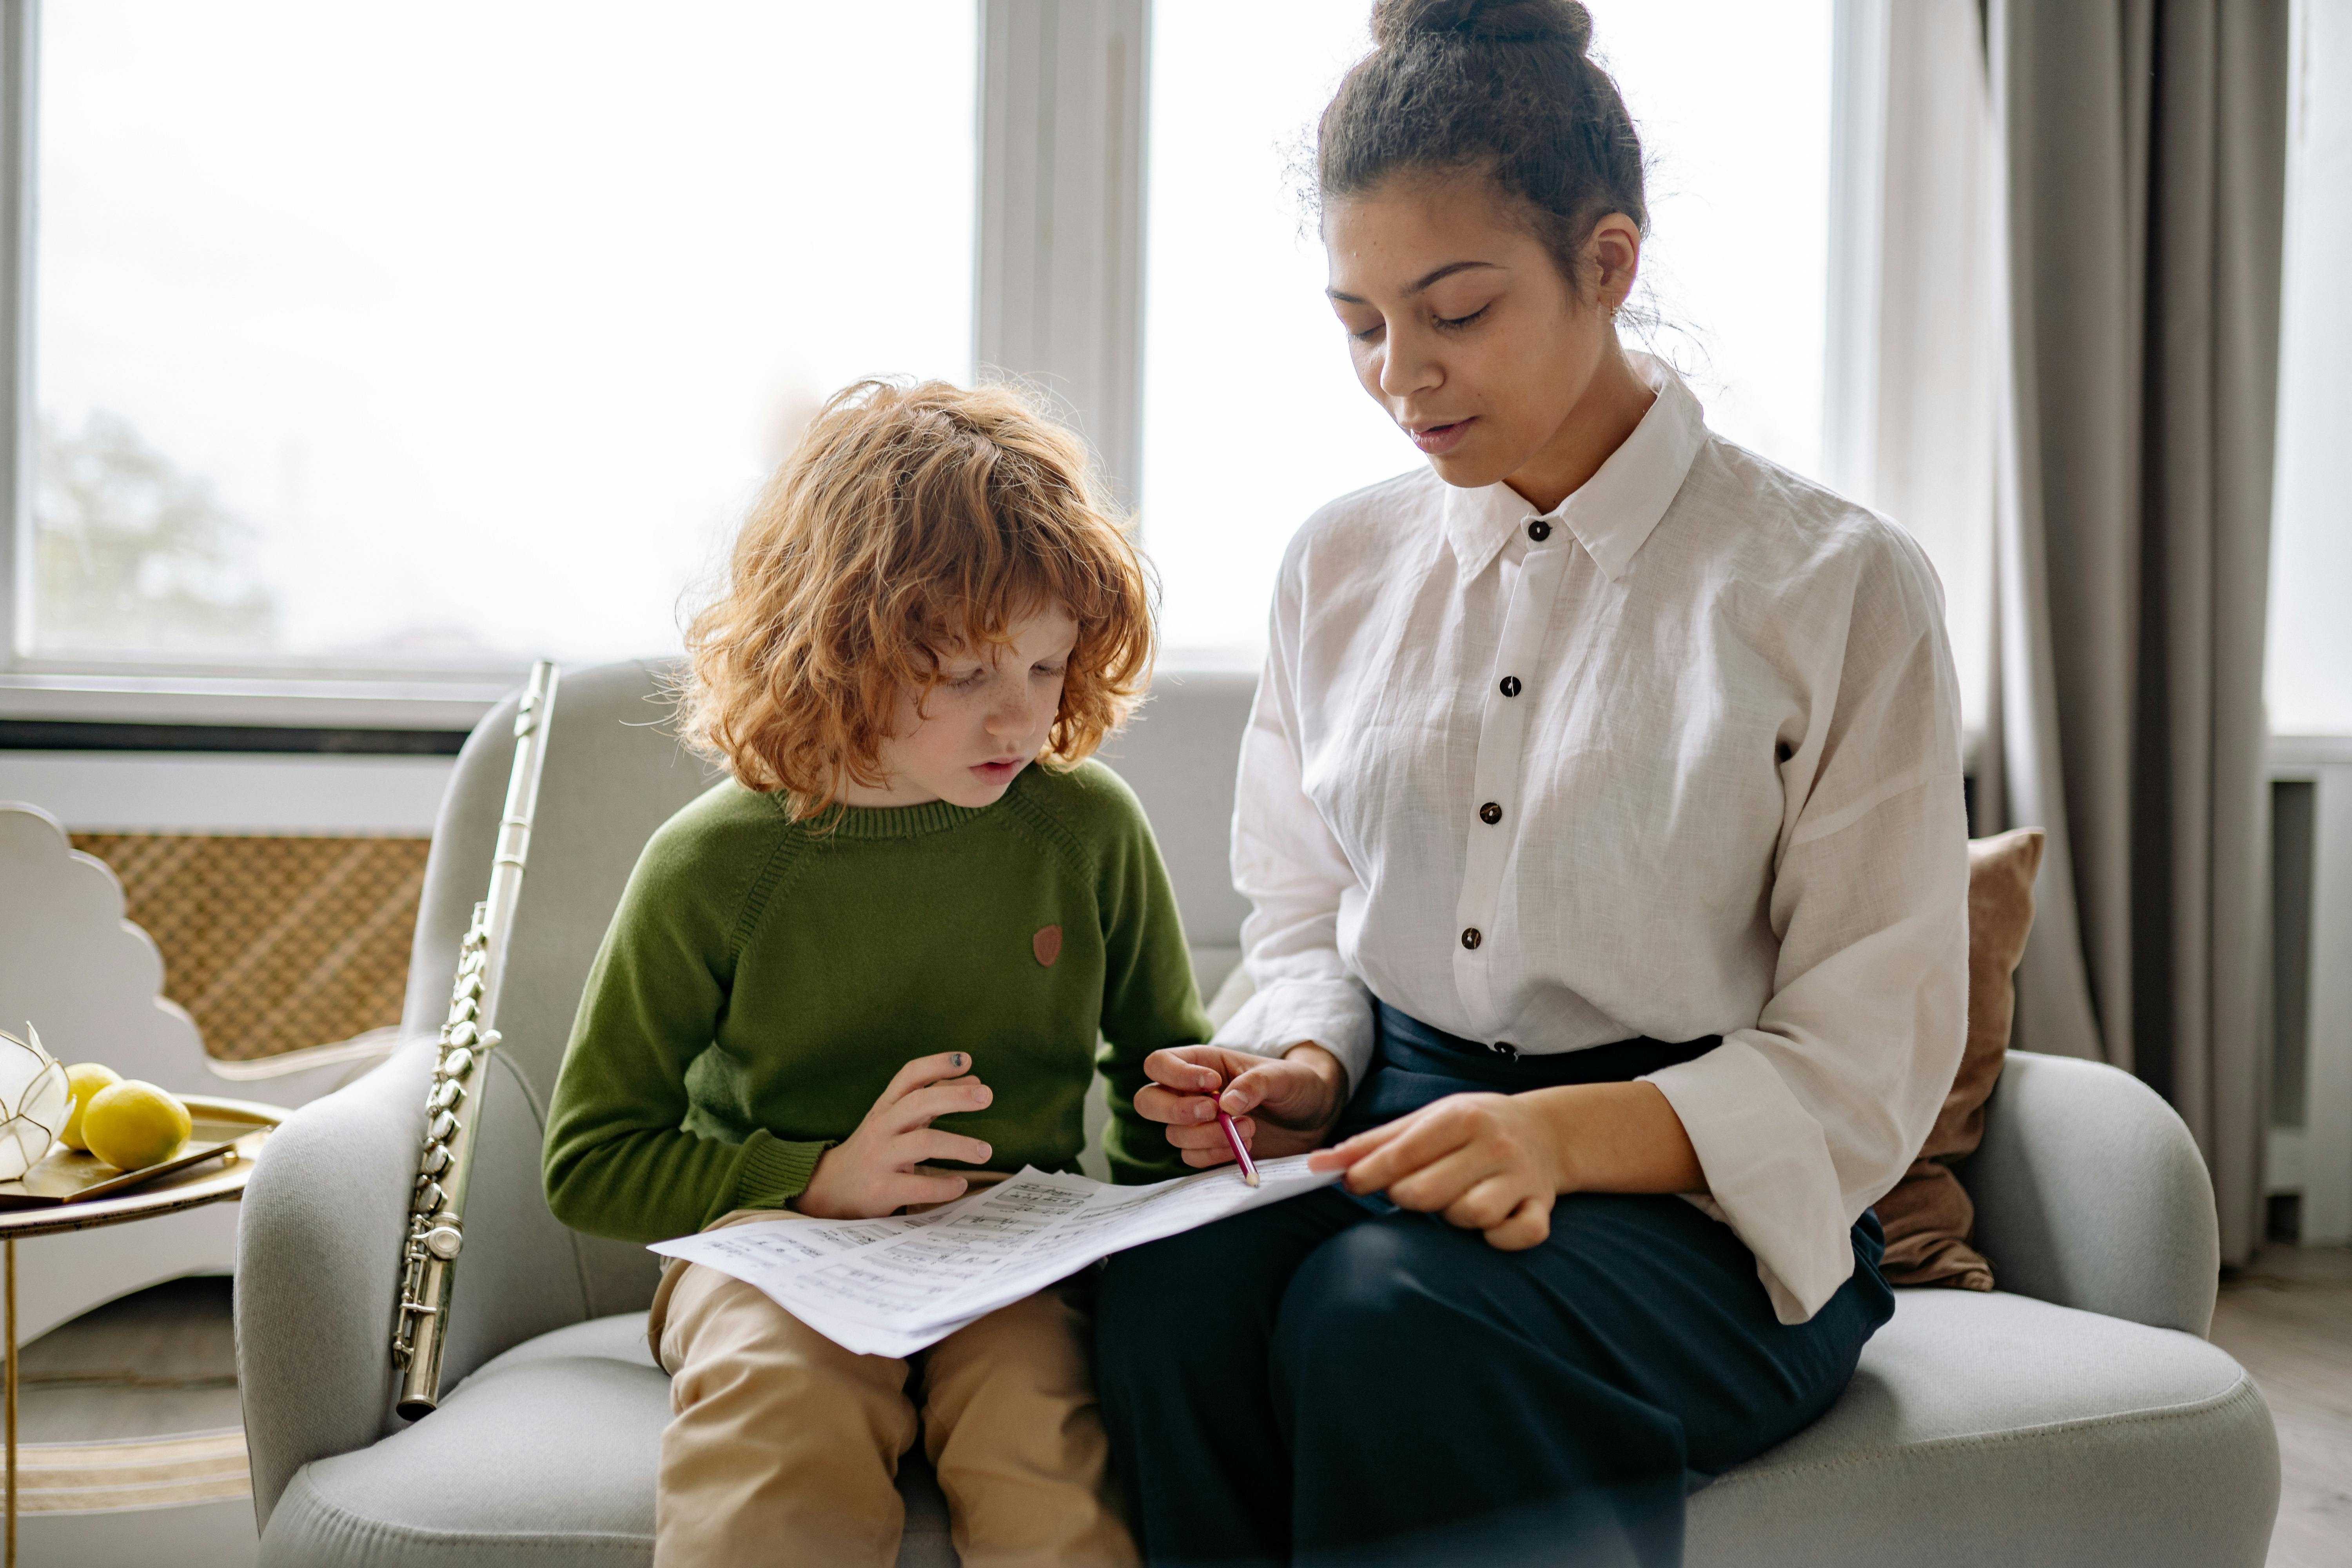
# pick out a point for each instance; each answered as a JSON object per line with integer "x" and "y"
{"x": 927, "y": 1069}
{"x": 929, "y": 1143}
{"x": 918, "y": 1108}
{"x": 912, "y": 1189}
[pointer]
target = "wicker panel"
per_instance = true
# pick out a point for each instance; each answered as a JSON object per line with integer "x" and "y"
{"x": 274, "y": 944}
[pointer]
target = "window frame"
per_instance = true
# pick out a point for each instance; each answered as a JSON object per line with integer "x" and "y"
{"x": 1061, "y": 203}
{"x": 1062, "y": 114}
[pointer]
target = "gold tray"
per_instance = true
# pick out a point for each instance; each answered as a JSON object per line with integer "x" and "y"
{"x": 68, "y": 1175}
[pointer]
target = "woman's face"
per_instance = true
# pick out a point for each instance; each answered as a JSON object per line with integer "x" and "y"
{"x": 1462, "y": 327}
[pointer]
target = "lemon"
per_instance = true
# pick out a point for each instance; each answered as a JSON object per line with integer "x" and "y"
{"x": 132, "y": 1124}
{"x": 82, "y": 1081}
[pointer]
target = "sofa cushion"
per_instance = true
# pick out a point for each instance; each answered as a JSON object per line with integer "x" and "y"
{"x": 545, "y": 1454}
{"x": 1980, "y": 1428}
{"x": 1998, "y": 1429}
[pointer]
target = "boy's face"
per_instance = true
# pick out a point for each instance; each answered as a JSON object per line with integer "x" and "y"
{"x": 985, "y": 721}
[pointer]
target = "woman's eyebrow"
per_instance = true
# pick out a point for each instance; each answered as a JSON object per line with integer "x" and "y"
{"x": 1448, "y": 270}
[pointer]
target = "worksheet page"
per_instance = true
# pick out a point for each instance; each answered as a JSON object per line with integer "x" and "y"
{"x": 889, "y": 1287}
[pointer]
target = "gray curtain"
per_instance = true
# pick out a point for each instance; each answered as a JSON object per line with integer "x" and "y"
{"x": 2144, "y": 160}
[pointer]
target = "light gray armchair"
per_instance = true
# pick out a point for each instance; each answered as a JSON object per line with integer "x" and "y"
{"x": 2076, "y": 1416}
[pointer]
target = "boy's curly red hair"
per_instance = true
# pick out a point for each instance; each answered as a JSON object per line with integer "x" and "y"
{"x": 910, "y": 521}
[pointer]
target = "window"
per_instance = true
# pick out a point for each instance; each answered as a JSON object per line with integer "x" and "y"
{"x": 2309, "y": 675}
{"x": 443, "y": 335}
{"x": 1251, "y": 414}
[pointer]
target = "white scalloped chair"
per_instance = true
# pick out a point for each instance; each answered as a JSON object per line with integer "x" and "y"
{"x": 92, "y": 982}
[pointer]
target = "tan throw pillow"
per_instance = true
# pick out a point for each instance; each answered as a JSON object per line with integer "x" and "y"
{"x": 1927, "y": 1217}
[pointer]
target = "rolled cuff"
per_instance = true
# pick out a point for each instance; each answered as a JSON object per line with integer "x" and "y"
{"x": 1334, "y": 1014}
{"x": 769, "y": 1173}
{"x": 1769, "y": 1173}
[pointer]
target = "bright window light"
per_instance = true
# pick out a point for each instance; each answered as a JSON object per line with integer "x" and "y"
{"x": 2309, "y": 673}
{"x": 442, "y": 335}
{"x": 1251, "y": 414}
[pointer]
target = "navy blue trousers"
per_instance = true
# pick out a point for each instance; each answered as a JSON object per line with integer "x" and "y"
{"x": 1333, "y": 1381}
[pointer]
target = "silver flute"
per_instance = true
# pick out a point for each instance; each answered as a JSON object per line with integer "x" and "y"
{"x": 453, "y": 1106}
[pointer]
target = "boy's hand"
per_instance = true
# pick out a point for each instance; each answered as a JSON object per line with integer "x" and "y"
{"x": 872, "y": 1172}
{"x": 1279, "y": 1107}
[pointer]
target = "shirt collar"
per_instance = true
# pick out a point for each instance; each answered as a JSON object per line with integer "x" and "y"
{"x": 1611, "y": 513}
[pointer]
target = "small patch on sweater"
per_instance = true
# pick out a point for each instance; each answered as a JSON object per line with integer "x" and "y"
{"x": 1048, "y": 945}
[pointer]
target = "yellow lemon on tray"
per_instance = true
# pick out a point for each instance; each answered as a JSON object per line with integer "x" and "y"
{"x": 83, "y": 1079}
{"x": 133, "y": 1125}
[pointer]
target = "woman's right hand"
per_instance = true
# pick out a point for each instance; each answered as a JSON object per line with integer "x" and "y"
{"x": 1279, "y": 1105}
{"x": 872, "y": 1172}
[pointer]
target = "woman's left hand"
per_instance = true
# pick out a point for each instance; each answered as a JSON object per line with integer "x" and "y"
{"x": 1487, "y": 1162}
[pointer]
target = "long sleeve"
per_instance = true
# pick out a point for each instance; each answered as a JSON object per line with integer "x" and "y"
{"x": 619, "y": 1159}
{"x": 1292, "y": 871}
{"x": 1151, "y": 1001}
{"x": 1807, "y": 1118}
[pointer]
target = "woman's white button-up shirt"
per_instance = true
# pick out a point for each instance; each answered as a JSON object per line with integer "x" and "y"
{"x": 1679, "y": 757}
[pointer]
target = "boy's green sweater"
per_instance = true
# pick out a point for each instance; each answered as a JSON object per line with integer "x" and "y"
{"x": 762, "y": 981}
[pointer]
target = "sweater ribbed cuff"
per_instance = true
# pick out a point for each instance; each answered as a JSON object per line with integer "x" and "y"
{"x": 771, "y": 1172}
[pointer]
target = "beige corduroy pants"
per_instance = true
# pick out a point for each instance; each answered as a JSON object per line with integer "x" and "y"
{"x": 783, "y": 1447}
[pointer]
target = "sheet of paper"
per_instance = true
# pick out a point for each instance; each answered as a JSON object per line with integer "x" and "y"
{"x": 889, "y": 1287}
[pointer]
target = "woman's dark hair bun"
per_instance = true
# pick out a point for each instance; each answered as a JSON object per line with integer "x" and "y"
{"x": 1506, "y": 87}
{"x": 1398, "y": 22}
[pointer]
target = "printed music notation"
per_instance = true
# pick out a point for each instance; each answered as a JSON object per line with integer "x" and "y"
{"x": 889, "y": 1287}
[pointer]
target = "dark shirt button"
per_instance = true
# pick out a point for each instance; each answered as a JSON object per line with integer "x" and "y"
{"x": 1505, "y": 1048}
{"x": 1470, "y": 937}
{"x": 1510, "y": 686}
{"x": 1490, "y": 814}
{"x": 1539, "y": 530}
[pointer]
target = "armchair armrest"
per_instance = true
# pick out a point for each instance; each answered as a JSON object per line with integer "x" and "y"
{"x": 2090, "y": 1192}
{"x": 318, "y": 1271}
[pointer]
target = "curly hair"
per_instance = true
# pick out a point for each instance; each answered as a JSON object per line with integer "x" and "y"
{"x": 912, "y": 521}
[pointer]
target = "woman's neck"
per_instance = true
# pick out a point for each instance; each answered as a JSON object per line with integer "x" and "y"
{"x": 1614, "y": 402}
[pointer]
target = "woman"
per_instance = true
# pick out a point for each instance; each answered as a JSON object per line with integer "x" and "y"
{"x": 1601, "y": 814}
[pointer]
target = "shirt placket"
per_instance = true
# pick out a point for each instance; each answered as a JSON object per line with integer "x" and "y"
{"x": 1491, "y": 815}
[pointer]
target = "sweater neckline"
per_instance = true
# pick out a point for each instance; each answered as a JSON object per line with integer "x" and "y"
{"x": 876, "y": 822}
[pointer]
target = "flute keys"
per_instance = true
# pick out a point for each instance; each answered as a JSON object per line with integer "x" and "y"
{"x": 458, "y": 1063}
{"x": 443, "y": 1125}
{"x": 461, "y": 1034}
{"x": 436, "y": 1159}
{"x": 443, "y": 1241}
{"x": 446, "y": 1095}
{"x": 428, "y": 1196}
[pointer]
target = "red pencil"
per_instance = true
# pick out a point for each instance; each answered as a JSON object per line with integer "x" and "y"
{"x": 1234, "y": 1141}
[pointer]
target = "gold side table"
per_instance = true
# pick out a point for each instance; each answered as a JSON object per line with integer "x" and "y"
{"x": 220, "y": 1179}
